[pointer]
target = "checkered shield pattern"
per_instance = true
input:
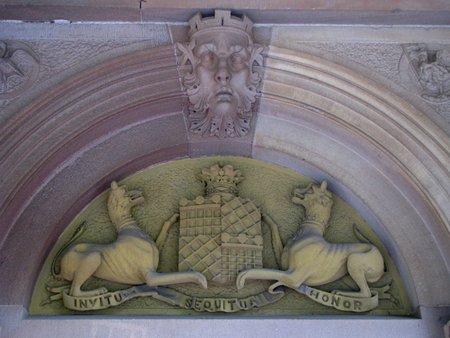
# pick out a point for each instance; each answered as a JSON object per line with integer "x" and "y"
{"x": 220, "y": 239}
{"x": 242, "y": 241}
{"x": 240, "y": 216}
{"x": 199, "y": 242}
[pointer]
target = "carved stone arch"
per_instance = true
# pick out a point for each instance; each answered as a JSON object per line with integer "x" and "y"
{"x": 367, "y": 140}
{"x": 63, "y": 148}
{"x": 376, "y": 149}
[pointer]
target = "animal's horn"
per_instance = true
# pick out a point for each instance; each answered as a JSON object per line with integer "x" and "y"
{"x": 323, "y": 186}
{"x": 114, "y": 185}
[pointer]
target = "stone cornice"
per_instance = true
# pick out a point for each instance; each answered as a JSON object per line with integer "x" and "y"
{"x": 411, "y": 12}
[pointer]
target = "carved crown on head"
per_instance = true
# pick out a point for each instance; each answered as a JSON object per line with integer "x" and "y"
{"x": 221, "y": 18}
{"x": 221, "y": 178}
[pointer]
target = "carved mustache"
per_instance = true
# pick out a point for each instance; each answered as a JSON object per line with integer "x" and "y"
{"x": 224, "y": 91}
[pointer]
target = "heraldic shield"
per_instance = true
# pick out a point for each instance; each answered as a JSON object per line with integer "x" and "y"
{"x": 220, "y": 235}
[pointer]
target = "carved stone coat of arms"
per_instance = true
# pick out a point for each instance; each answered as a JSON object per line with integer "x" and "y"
{"x": 222, "y": 250}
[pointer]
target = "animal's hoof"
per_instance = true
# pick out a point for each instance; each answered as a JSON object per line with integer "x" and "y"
{"x": 240, "y": 280}
{"x": 201, "y": 280}
{"x": 277, "y": 288}
{"x": 338, "y": 293}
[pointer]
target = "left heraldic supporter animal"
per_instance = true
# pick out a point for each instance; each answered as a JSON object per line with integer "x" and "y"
{"x": 131, "y": 259}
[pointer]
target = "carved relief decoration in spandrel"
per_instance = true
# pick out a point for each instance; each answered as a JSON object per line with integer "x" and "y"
{"x": 224, "y": 77}
{"x": 19, "y": 69}
{"x": 431, "y": 68}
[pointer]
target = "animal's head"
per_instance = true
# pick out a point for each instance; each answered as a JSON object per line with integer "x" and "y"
{"x": 120, "y": 202}
{"x": 316, "y": 200}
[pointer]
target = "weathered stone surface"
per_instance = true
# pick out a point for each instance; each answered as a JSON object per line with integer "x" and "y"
{"x": 410, "y": 168}
{"x": 64, "y": 50}
{"x": 377, "y": 53}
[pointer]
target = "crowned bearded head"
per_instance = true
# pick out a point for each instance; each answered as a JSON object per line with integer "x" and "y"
{"x": 222, "y": 85}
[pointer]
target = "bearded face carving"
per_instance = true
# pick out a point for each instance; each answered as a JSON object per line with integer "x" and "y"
{"x": 223, "y": 83}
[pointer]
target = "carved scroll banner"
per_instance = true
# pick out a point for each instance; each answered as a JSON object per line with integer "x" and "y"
{"x": 339, "y": 302}
{"x": 212, "y": 304}
{"x": 106, "y": 300}
{"x": 230, "y": 304}
{"x": 169, "y": 296}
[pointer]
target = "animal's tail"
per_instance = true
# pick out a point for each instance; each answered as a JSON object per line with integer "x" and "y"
{"x": 378, "y": 244}
{"x": 276, "y": 240}
{"x": 360, "y": 235}
{"x": 363, "y": 238}
{"x": 56, "y": 268}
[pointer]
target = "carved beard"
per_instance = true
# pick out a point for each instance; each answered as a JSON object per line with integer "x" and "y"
{"x": 205, "y": 120}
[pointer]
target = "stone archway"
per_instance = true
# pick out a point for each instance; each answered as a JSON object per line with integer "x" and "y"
{"x": 376, "y": 144}
{"x": 379, "y": 153}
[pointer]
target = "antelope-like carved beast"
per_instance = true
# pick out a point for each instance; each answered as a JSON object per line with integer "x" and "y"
{"x": 131, "y": 259}
{"x": 310, "y": 260}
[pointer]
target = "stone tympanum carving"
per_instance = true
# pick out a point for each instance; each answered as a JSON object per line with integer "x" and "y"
{"x": 309, "y": 260}
{"x": 220, "y": 245}
{"x": 19, "y": 68}
{"x": 131, "y": 259}
{"x": 431, "y": 68}
{"x": 223, "y": 82}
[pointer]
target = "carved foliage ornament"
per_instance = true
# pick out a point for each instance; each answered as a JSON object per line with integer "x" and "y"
{"x": 220, "y": 243}
{"x": 224, "y": 77}
{"x": 19, "y": 68}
